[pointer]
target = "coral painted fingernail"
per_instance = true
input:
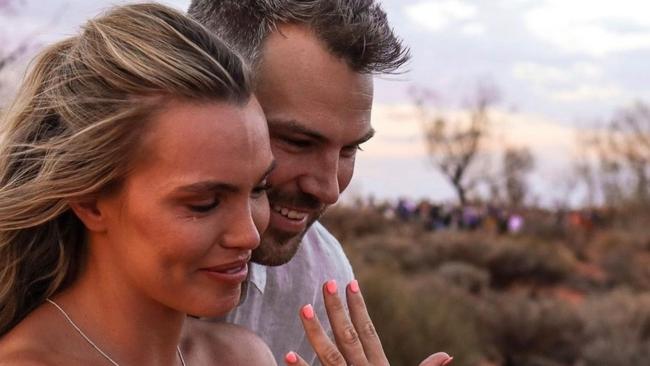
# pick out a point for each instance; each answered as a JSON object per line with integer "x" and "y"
{"x": 291, "y": 357}
{"x": 331, "y": 287}
{"x": 308, "y": 312}
{"x": 447, "y": 361}
{"x": 354, "y": 286}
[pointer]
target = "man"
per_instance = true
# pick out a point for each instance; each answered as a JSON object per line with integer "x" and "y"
{"x": 313, "y": 63}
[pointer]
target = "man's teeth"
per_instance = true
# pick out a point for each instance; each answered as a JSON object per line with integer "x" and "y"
{"x": 294, "y": 215}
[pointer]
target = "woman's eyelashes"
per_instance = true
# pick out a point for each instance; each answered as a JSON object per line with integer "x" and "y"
{"x": 203, "y": 208}
{"x": 206, "y": 207}
{"x": 261, "y": 189}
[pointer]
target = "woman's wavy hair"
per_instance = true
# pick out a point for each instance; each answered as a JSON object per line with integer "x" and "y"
{"x": 72, "y": 130}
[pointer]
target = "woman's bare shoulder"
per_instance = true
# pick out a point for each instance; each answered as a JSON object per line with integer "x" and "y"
{"x": 34, "y": 341}
{"x": 28, "y": 353}
{"x": 211, "y": 343}
{"x": 22, "y": 358}
{"x": 18, "y": 350}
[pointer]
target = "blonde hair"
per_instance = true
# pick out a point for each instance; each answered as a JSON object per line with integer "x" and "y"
{"x": 72, "y": 129}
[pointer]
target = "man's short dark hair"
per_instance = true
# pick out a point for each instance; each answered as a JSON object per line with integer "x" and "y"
{"x": 355, "y": 30}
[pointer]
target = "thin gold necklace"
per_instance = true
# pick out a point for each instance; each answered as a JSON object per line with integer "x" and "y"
{"x": 96, "y": 347}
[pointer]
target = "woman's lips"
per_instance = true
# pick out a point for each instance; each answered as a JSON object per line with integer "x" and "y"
{"x": 234, "y": 272}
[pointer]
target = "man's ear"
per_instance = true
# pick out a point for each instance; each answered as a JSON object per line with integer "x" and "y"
{"x": 89, "y": 212}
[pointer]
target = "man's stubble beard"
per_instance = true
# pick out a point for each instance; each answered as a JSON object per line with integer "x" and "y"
{"x": 277, "y": 248}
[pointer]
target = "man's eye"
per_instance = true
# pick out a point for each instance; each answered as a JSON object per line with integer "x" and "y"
{"x": 298, "y": 142}
{"x": 351, "y": 150}
{"x": 203, "y": 208}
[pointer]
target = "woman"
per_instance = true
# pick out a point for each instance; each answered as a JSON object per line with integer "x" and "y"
{"x": 133, "y": 170}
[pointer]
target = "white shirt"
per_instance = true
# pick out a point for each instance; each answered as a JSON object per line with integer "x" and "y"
{"x": 274, "y": 295}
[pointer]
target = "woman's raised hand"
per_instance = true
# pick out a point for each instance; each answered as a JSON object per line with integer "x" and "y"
{"x": 355, "y": 339}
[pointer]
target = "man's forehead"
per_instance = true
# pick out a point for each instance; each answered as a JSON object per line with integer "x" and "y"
{"x": 293, "y": 49}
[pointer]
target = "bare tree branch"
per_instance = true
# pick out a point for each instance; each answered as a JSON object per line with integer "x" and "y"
{"x": 517, "y": 163}
{"x": 453, "y": 145}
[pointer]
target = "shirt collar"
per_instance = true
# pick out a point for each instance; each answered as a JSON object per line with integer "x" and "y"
{"x": 257, "y": 276}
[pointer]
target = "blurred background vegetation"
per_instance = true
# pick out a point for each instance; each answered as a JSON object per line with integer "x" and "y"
{"x": 554, "y": 293}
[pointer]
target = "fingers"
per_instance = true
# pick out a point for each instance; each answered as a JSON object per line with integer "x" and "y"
{"x": 294, "y": 359}
{"x": 327, "y": 352}
{"x": 437, "y": 359}
{"x": 345, "y": 332}
{"x": 357, "y": 340}
{"x": 367, "y": 334}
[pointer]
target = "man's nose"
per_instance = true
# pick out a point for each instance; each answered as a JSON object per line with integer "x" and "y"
{"x": 322, "y": 181}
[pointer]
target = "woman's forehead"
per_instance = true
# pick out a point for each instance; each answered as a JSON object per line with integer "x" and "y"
{"x": 207, "y": 140}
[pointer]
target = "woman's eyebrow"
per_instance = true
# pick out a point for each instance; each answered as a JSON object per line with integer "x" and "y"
{"x": 206, "y": 186}
{"x": 216, "y": 186}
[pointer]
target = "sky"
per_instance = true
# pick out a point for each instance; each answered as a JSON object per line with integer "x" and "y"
{"x": 560, "y": 66}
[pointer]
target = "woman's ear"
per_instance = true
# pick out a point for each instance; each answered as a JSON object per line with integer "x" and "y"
{"x": 89, "y": 212}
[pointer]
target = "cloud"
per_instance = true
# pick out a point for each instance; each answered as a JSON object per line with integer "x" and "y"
{"x": 437, "y": 15}
{"x": 473, "y": 29}
{"x": 588, "y": 92}
{"x": 592, "y": 27}
{"x": 399, "y": 132}
{"x": 540, "y": 74}
{"x": 579, "y": 82}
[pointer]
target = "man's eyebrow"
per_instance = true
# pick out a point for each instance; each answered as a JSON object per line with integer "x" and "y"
{"x": 365, "y": 137}
{"x": 297, "y": 127}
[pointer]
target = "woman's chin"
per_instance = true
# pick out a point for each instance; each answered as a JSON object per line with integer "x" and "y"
{"x": 222, "y": 306}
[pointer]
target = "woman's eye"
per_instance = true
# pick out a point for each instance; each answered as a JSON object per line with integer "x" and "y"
{"x": 261, "y": 189}
{"x": 203, "y": 208}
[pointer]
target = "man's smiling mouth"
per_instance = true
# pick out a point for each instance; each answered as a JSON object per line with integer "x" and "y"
{"x": 290, "y": 214}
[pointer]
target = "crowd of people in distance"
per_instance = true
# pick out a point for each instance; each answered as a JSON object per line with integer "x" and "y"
{"x": 496, "y": 218}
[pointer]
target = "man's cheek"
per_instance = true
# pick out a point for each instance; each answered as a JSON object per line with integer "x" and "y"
{"x": 346, "y": 172}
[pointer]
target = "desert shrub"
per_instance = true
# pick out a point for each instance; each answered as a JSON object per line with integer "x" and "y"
{"x": 531, "y": 262}
{"x": 507, "y": 261}
{"x": 466, "y": 276}
{"x": 385, "y": 250}
{"x": 467, "y": 247}
{"x": 418, "y": 252}
{"x": 481, "y": 296}
{"x": 415, "y": 321}
{"x": 527, "y": 332}
{"x": 633, "y": 216}
{"x": 617, "y": 330}
{"x": 347, "y": 223}
{"x": 544, "y": 225}
{"x": 636, "y": 238}
{"x": 625, "y": 266}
